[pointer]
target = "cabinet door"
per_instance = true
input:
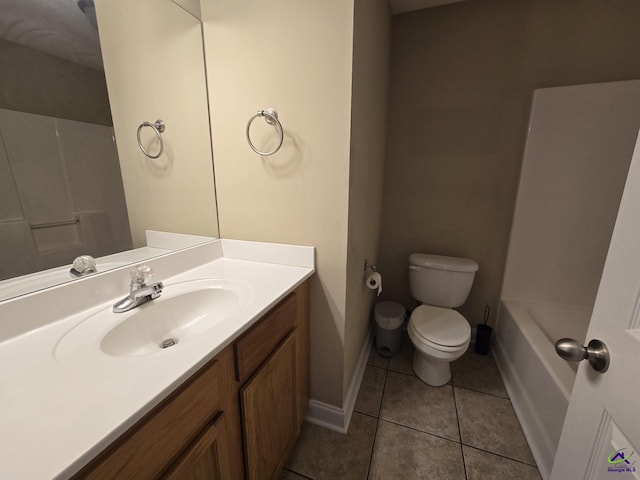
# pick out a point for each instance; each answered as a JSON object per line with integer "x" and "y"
{"x": 269, "y": 403}
{"x": 205, "y": 458}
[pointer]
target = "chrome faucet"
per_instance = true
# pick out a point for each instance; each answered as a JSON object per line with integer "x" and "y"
{"x": 139, "y": 291}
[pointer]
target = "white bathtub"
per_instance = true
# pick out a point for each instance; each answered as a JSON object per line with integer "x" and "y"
{"x": 538, "y": 381}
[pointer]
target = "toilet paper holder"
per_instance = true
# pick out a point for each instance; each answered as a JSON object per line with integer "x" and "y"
{"x": 371, "y": 266}
{"x": 373, "y": 280}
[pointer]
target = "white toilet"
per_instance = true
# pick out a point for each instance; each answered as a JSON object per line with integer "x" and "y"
{"x": 439, "y": 334}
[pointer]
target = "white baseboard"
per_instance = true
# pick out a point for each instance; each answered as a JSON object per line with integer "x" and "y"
{"x": 336, "y": 418}
{"x": 327, "y": 416}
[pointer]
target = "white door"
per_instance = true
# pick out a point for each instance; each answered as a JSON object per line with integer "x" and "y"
{"x": 601, "y": 432}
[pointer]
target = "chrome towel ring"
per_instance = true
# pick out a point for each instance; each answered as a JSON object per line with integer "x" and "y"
{"x": 158, "y": 127}
{"x": 271, "y": 117}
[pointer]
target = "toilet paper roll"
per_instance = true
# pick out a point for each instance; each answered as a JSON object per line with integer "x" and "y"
{"x": 374, "y": 282}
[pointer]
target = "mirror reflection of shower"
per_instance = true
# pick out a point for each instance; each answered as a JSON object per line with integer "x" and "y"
{"x": 59, "y": 168}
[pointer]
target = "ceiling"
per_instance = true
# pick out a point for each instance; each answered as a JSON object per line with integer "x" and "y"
{"x": 60, "y": 28}
{"x": 55, "y": 26}
{"x": 402, "y": 6}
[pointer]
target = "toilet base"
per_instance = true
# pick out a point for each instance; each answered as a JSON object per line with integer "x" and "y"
{"x": 430, "y": 370}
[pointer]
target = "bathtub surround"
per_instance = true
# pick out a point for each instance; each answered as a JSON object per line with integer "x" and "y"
{"x": 602, "y": 414}
{"x": 462, "y": 78}
{"x": 323, "y": 66}
{"x": 56, "y": 204}
{"x": 64, "y": 105}
{"x": 576, "y": 159}
{"x": 574, "y": 168}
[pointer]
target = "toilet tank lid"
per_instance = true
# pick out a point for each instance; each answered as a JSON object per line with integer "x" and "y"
{"x": 440, "y": 262}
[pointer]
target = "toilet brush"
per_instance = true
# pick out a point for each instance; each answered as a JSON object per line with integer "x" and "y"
{"x": 483, "y": 334}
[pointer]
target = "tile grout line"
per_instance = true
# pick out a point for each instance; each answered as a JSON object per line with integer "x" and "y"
{"x": 375, "y": 433}
{"x": 418, "y": 430}
{"x": 395, "y": 372}
{"x": 508, "y": 399}
{"x": 366, "y": 414}
{"x": 484, "y": 393}
{"x": 500, "y": 455}
{"x": 297, "y": 473}
{"x": 455, "y": 404}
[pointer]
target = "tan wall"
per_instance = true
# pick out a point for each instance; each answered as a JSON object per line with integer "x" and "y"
{"x": 295, "y": 57}
{"x": 461, "y": 87}
{"x": 371, "y": 45}
{"x": 36, "y": 82}
{"x": 153, "y": 59}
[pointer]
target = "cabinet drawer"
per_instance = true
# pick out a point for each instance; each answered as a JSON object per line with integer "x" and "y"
{"x": 257, "y": 344}
{"x": 146, "y": 449}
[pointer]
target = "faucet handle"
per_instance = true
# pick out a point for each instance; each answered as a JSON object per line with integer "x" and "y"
{"x": 140, "y": 275}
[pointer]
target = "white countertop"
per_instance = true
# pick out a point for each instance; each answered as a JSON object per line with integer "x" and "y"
{"x": 57, "y": 411}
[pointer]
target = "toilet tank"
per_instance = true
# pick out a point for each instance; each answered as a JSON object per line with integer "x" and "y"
{"x": 439, "y": 280}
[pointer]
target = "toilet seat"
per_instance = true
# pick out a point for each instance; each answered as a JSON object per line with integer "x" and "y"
{"x": 440, "y": 328}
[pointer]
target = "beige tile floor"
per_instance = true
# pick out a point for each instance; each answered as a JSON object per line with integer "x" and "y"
{"x": 404, "y": 429}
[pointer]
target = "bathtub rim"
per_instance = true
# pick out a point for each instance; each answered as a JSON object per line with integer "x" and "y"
{"x": 560, "y": 371}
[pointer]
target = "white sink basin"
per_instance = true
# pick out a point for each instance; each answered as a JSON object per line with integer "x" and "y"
{"x": 183, "y": 312}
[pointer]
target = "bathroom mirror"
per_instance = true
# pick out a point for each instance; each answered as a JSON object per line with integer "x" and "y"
{"x": 64, "y": 188}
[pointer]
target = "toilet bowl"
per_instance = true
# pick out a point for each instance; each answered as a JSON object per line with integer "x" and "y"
{"x": 439, "y": 334}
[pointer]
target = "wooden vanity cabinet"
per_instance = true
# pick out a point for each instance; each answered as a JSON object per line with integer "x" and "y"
{"x": 163, "y": 435}
{"x": 268, "y": 402}
{"x": 237, "y": 417}
{"x": 272, "y": 369}
{"x": 205, "y": 458}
